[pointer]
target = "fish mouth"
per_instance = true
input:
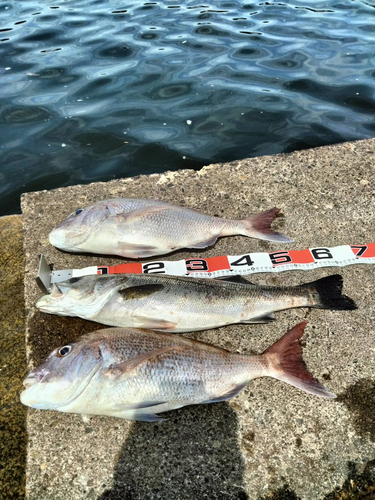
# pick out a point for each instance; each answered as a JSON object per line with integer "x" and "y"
{"x": 58, "y": 239}
{"x": 42, "y": 304}
{"x": 47, "y": 304}
{"x": 33, "y": 378}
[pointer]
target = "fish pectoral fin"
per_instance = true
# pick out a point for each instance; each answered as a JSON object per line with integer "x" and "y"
{"x": 265, "y": 318}
{"x": 153, "y": 323}
{"x": 137, "y": 251}
{"x": 139, "y": 291}
{"x": 134, "y": 246}
{"x": 137, "y": 406}
{"x": 206, "y": 243}
{"x": 143, "y": 417}
{"x": 232, "y": 393}
{"x": 236, "y": 279}
{"x": 127, "y": 367}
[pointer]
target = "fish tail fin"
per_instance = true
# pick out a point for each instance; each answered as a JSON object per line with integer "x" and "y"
{"x": 327, "y": 294}
{"x": 284, "y": 362}
{"x": 258, "y": 226}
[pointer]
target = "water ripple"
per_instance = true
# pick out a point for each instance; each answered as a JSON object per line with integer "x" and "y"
{"x": 138, "y": 87}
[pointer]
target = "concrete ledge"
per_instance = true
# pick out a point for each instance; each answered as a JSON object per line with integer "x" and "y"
{"x": 272, "y": 434}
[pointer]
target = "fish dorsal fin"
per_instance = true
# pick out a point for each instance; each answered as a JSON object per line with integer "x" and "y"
{"x": 140, "y": 212}
{"x": 139, "y": 291}
{"x": 236, "y": 279}
{"x": 128, "y": 366}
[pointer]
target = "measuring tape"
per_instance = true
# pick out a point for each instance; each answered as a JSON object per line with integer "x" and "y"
{"x": 225, "y": 265}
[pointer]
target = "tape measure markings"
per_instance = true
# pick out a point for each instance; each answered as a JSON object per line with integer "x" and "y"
{"x": 224, "y": 265}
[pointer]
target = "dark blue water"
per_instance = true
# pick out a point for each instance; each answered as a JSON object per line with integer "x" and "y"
{"x": 93, "y": 90}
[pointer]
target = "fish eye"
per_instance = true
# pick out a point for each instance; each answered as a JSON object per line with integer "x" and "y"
{"x": 64, "y": 351}
{"x": 73, "y": 280}
{"x": 79, "y": 210}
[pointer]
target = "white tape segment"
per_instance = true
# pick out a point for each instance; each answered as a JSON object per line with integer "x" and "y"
{"x": 250, "y": 263}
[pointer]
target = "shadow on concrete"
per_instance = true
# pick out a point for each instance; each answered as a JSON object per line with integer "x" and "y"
{"x": 193, "y": 454}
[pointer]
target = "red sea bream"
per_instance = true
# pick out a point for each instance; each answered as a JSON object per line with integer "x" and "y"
{"x": 137, "y": 228}
{"x": 137, "y": 374}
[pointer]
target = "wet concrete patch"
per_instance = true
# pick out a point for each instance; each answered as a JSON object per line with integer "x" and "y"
{"x": 359, "y": 399}
{"x": 12, "y": 360}
{"x": 284, "y": 493}
{"x": 359, "y": 485}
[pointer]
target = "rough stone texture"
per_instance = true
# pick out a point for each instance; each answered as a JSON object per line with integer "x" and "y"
{"x": 270, "y": 438}
{"x": 12, "y": 360}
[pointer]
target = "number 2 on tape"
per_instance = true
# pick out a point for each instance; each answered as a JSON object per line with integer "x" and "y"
{"x": 154, "y": 268}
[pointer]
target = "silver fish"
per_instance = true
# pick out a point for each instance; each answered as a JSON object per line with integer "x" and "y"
{"x": 137, "y": 374}
{"x": 143, "y": 228}
{"x": 179, "y": 304}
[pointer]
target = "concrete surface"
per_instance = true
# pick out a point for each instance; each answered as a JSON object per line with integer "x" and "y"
{"x": 272, "y": 441}
{"x": 12, "y": 360}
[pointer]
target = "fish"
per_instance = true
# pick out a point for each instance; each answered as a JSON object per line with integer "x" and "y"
{"x": 182, "y": 304}
{"x": 140, "y": 228}
{"x": 138, "y": 374}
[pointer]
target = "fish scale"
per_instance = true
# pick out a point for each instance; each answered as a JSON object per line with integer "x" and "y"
{"x": 178, "y": 226}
